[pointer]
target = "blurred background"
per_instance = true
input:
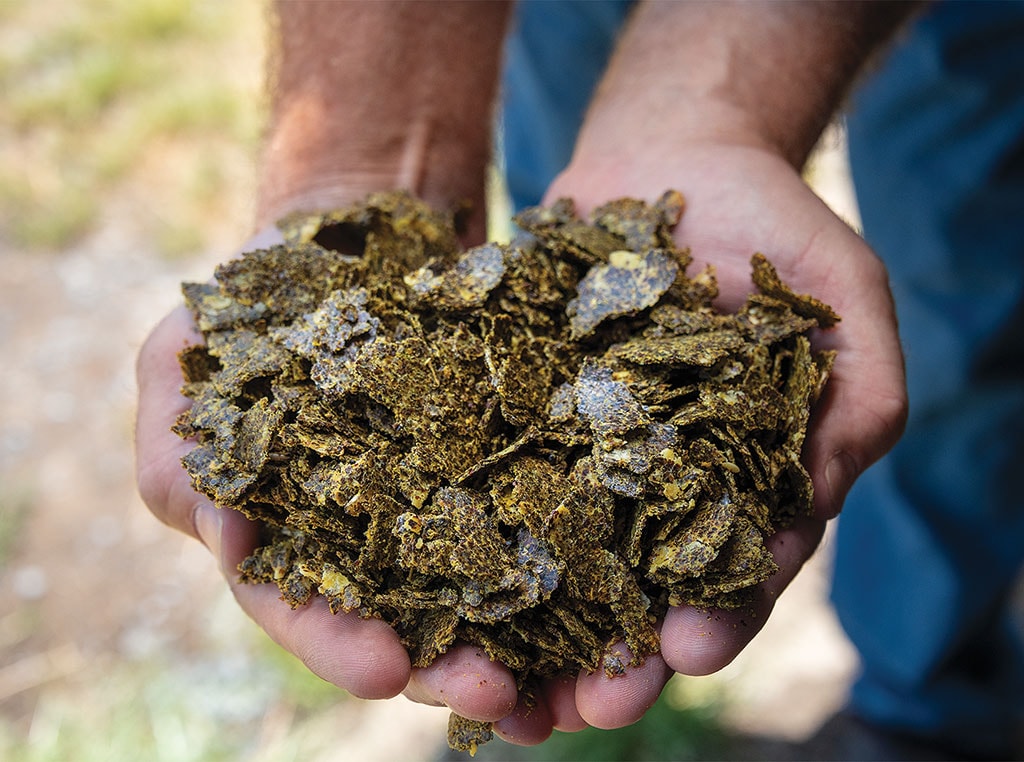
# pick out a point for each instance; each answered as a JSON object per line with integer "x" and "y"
{"x": 129, "y": 131}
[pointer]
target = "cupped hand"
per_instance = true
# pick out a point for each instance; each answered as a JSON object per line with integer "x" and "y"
{"x": 741, "y": 200}
{"x": 362, "y": 656}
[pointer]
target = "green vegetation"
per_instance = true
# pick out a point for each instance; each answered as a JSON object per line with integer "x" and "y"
{"x": 216, "y": 709}
{"x": 98, "y": 92}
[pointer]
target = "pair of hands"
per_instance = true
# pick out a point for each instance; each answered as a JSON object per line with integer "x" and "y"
{"x": 740, "y": 200}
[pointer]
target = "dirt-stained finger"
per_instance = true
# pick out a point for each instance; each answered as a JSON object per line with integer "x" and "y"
{"x": 560, "y": 696}
{"x": 700, "y": 642}
{"x": 614, "y": 702}
{"x": 467, "y": 682}
{"x": 530, "y": 723}
{"x": 363, "y": 656}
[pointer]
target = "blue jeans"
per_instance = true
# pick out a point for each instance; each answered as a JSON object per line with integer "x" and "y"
{"x": 554, "y": 57}
{"x": 931, "y": 541}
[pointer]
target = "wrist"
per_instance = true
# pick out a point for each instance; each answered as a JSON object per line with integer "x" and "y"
{"x": 754, "y": 75}
{"x": 316, "y": 161}
{"x": 617, "y": 133}
{"x": 380, "y": 96}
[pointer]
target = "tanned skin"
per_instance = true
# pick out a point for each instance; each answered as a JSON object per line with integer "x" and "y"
{"x": 720, "y": 100}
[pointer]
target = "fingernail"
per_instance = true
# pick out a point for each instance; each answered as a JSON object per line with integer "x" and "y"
{"x": 208, "y": 522}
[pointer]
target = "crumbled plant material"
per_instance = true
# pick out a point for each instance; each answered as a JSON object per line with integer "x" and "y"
{"x": 535, "y": 448}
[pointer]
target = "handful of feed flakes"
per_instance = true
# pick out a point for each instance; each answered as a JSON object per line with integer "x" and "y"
{"x": 536, "y": 448}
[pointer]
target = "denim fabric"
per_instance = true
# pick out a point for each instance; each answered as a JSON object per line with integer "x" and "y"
{"x": 931, "y": 541}
{"x": 554, "y": 57}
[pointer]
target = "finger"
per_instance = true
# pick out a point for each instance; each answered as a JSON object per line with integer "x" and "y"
{"x": 363, "y": 656}
{"x": 467, "y": 682}
{"x": 700, "y": 642}
{"x": 559, "y": 694}
{"x": 162, "y": 482}
{"x": 614, "y": 702}
{"x": 529, "y": 724}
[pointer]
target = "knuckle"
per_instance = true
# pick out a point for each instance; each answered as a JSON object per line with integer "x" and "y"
{"x": 165, "y": 489}
{"x": 891, "y": 411}
{"x": 153, "y": 484}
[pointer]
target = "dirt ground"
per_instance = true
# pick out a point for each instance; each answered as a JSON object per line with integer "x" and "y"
{"x": 117, "y": 639}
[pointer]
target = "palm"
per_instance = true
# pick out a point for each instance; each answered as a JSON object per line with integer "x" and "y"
{"x": 741, "y": 200}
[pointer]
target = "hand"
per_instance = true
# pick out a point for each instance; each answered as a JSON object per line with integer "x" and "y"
{"x": 742, "y": 199}
{"x": 364, "y": 657}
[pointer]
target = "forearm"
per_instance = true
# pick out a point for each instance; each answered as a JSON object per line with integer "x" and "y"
{"x": 766, "y": 74}
{"x": 381, "y": 95}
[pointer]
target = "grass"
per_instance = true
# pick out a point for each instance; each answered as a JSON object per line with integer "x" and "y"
{"x": 100, "y": 86}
